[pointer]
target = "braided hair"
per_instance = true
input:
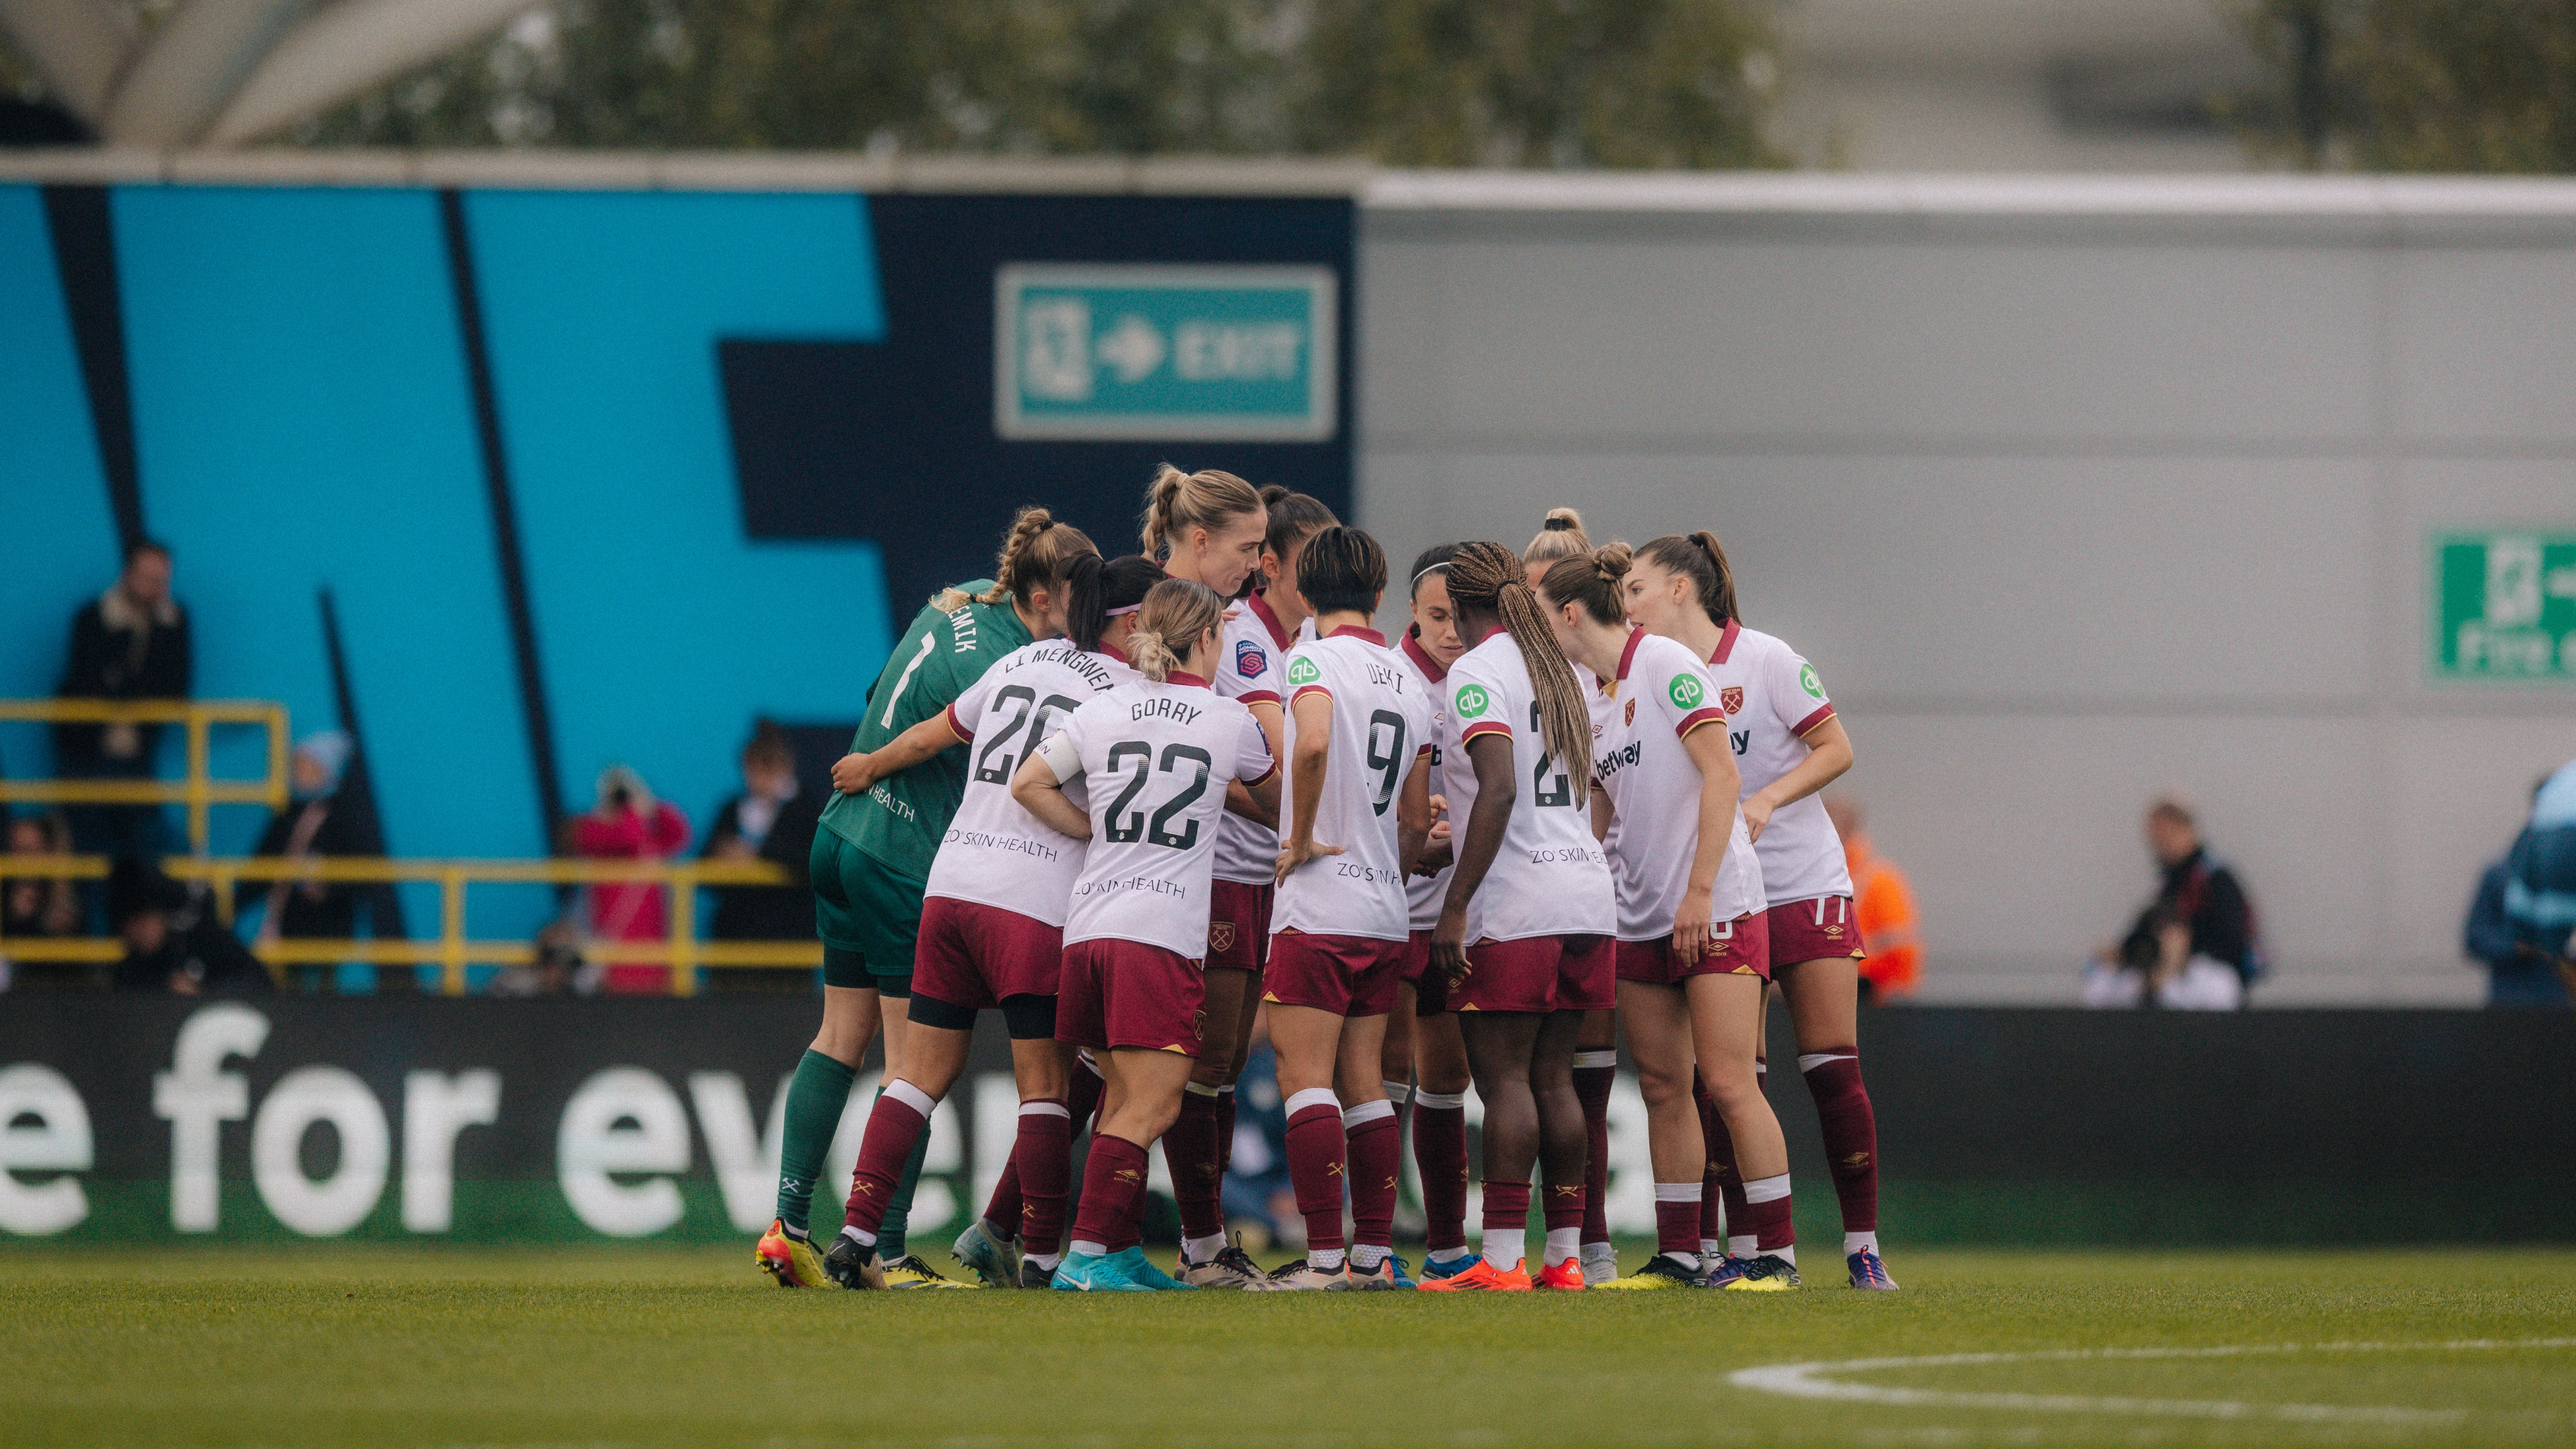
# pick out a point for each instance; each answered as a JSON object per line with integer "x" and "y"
{"x": 1036, "y": 555}
{"x": 1485, "y": 578}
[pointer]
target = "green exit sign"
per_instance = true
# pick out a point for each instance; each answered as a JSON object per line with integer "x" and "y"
{"x": 2504, "y": 606}
{"x": 1163, "y": 353}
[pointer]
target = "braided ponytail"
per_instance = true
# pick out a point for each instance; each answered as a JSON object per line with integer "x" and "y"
{"x": 1037, "y": 554}
{"x": 1485, "y": 578}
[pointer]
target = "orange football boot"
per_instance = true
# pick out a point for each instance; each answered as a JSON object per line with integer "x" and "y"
{"x": 1484, "y": 1278}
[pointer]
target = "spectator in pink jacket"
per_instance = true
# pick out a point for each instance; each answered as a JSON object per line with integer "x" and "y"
{"x": 629, "y": 824}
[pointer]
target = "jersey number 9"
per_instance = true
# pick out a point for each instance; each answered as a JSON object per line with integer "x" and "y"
{"x": 1386, "y": 753}
{"x": 1122, "y": 826}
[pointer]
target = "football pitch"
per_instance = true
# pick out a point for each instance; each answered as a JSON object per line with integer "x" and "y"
{"x": 396, "y": 1347}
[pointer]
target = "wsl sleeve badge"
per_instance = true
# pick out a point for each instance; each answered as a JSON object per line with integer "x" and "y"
{"x": 1249, "y": 660}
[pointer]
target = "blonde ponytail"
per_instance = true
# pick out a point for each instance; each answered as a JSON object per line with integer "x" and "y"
{"x": 1562, "y": 536}
{"x": 1037, "y": 554}
{"x": 1176, "y": 502}
{"x": 1485, "y": 579}
{"x": 1176, "y": 614}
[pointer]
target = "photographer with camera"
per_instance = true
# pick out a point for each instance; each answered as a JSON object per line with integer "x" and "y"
{"x": 2193, "y": 947}
{"x": 629, "y": 824}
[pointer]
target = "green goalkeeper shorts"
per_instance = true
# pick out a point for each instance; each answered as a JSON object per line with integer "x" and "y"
{"x": 867, "y": 914}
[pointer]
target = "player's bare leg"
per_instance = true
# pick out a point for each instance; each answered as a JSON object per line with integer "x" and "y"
{"x": 1727, "y": 1017}
{"x": 1656, "y": 1021}
{"x": 1596, "y": 1071}
{"x": 1824, "y": 1015}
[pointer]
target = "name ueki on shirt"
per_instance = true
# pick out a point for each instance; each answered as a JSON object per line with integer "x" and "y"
{"x": 1163, "y": 707}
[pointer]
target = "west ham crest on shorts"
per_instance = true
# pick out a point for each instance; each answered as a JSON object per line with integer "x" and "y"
{"x": 1220, "y": 937}
{"x": 1247, "y": 659}
{"x": 1731, "y": 699}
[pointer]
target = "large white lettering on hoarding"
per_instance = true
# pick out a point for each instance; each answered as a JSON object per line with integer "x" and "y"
{"x": 436, "y": 1107}
{"x": 57, "y": 1141}
{"x": 623, "y": 1120}
{"x": 328, "y": 1206}
{"x": 197, "y": 1097}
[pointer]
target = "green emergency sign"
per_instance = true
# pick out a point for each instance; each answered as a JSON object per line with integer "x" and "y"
{"x": 2503, "y": 606}
{"x": 1159, "y": 353}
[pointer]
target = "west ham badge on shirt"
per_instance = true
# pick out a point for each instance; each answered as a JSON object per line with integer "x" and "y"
{"x": 1632, "y": 712}
{"x": 1731, "y": 699}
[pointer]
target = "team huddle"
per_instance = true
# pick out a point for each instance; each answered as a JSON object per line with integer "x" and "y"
{"x": 1133, "y": 803}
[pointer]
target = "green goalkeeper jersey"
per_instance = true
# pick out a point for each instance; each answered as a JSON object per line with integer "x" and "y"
{"x": 900, "y": 819}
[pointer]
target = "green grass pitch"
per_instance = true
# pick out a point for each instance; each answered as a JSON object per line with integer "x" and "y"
{"x": 402, "y": 1347}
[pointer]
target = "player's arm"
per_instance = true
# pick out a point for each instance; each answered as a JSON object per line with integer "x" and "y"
{"x": 1497, "y": 784}
{"x": 1039, "y": 786}
{"x": 853, "y": 774}
{"x": 1829, "y": 754}
{"x": 1413, "y": 814}
{"x": 1306, "y": 768}
{"x": 1245, "y": 802}
{"x": 1436, "y": 855}
{"x": 1603, "y": 812}
{"x": 1718, "y": 784}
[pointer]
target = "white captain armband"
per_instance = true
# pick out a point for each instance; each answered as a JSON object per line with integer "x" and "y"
{"x": 1061, "y": 756}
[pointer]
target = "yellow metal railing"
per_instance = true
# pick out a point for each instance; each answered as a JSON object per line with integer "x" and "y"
{"x": 199, "y": 790}
{"x": 452, "y": 951}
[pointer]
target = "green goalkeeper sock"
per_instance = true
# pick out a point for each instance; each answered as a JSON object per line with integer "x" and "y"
{"x": 816, "y": 1096}
{"x": 898, "y": 1215}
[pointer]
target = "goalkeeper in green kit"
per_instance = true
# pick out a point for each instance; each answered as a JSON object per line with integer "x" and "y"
{"x": 871, "y": 860}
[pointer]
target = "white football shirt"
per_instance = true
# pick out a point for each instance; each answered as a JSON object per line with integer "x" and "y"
{"x": 995, "y": 852}
{"x": 1424, "y": 893}
{"x": 1251, "y": 660}
{"x": 1381, "y": 725}
{"x": 1549, "y": 878}
{"x": 1773, "y": 700}
{"x": 1155, "y": 761}
{"x": 1661, "y": 696}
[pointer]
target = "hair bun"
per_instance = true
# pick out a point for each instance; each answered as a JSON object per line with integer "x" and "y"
{"x": 1613, "y": 558}
{"x": 1562, "y": 520}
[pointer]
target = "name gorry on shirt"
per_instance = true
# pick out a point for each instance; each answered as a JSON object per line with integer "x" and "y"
{"x": 1163, "y": 706}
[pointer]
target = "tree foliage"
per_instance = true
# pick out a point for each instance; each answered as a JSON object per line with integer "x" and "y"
{"x": 1404, "y": 82}
{"x": 2415, "y": 85}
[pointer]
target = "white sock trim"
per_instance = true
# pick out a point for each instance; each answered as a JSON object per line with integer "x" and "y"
{"x": 1608, "y": 1058}
{"x": 1046, "y": 1260}
{"x": 1367, "y": 1112}
{"x": 860, "y": 1236}
{"x": 1226, "y": 1091}
{"x": 1200, "y": 1088}
{"x": 1324, "y": 1260}
{"x": 1562, "y": 1243}
{"x": 1397, "y": 1092}
{"x": 1505, "y": 1250}
{"x": 1046, "y": 1109}
{"x": 1200, "y": 1250}
{"x": 1743, "y": 1245}
{"x": 1083, "y": 1055}
{"x": 1809, "y": 1061}
{"x": 1441, "y": 1101}
{"x": 1854, "y": 1242}
{"x": 1677, "y": 1191}
{"x": 1085, "y": 1245}
{"x": 1767, "y": 1189}
{"x": 1313, "y": 1097}
{"x": 912, "y": 1096}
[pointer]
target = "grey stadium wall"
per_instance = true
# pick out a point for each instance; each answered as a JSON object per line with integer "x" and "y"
{"x": 2076, "y": 490}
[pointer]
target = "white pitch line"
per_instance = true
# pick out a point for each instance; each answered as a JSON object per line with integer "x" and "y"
{"x": 1807, "y": 1381}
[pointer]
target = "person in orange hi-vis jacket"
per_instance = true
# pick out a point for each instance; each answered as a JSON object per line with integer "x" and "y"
{"x": 1885, "y": 904}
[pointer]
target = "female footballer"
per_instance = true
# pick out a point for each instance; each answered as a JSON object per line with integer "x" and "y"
{"x": 1154, "y": 755}
{"x": 1357, "y": 804}
{"x": 1596, "y": 1056}
{"x": 872, "y": 859}
{"x": 1424, "y": 1058}
{"x": 1789, "y": 744}
{"x": 1692, "y": 957}
{"x": 1524, "y": 931}
{"x": 992, "y": 925}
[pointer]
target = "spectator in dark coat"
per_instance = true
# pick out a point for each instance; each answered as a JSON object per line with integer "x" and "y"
{"x": 2195, "y": 945}
{"x": 314, "y": 825}
{"x": 2540, "y": 900}
{"x": 770, "y": 820}
{"x": 34, "y": 907}
{"x": 173, "y": 942}
{"x": 130, "y": 643}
